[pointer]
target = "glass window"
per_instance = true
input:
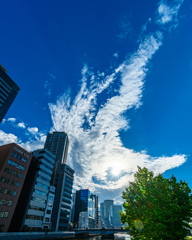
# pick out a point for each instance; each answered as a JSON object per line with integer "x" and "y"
{"x": 42, "y": 185}
{"x": 51, "y": 197}
{"x": 6, "y": 191}
{"x": 32, "y": 217}
{"x": 40, "y": 192}
{"x": 5, "y": 202}
{"x": 45, "y": 165}
{"x": 38, "y": 199}
{"x": 47, "y": 219}
{"x": 19, "y": 157}
{"x": 13, "y": 173}
{"x": 43, "y": 171}
{"x": 9, "y": 181}
{"x": 1, "y": 228}
{"x": 4, "y": 214}
{"x": 43, "y": 178}
{"x": 16, "y": 165}
{"x": 36, "y": 208}
{"x": 48, "y": 212}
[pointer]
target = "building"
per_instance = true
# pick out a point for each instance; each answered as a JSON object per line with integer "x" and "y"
{"x": 102, "y": 214}
{"x": 14, "y": 165}
{"x": 57, "y": 143}
{"x": 63, "y": 181}
{"x": 38, "y": 214}
{"x": 72, "y": 208}
{"x": 108, "y": 213}
{"x": 8, "y": 92}
{"x": 116, "y": 217}
{"x": 85, "y": 209}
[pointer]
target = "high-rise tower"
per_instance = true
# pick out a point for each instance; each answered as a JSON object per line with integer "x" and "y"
{"x": 8, "y": 92}
{"x": 57, "y": 143}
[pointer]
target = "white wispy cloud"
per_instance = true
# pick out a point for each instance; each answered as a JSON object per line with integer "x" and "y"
{"x": 21, "y": 125}
{"x": 6, "y": 138}
{"x": 95, "y": 145}
{"x": 11, "y": 119}
{"x": 168, "y": 13}
{"x": 33, "y": 130}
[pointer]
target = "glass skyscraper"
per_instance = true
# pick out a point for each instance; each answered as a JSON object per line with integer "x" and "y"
{"x": 63, "y": 176}
{"x": 86, "y": 208}
{"x": 8, "y": 92}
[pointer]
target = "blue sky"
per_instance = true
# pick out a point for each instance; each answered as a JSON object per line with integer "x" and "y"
{"x": 115, "y": 75}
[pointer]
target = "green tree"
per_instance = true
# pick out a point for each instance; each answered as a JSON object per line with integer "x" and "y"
{"x": 157, "y": 208}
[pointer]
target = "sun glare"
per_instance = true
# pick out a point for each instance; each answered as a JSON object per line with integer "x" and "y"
{"x": 116, "y": 168}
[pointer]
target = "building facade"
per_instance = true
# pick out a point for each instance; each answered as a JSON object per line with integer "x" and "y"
{"x": 41, "y": 203}
{"x": 57, "y": 143}
{"x": 116, "y": 216}
{"x": 14, "y": 164}
{"x": 85, "y": 209}
{"x": 8, "y": 92}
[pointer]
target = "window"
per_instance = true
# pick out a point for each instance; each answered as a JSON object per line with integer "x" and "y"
{"x": 45, "y": 165}
{"x": 47, "y": 219}
{"x": 4, "y": 214}
{"x": 32, "y": 217}
{"x": 48, "y": 212}
{"x": 13, "y": 173}
{"x": 5, "y": 202}
{"x": 50, "y": 204}
{"x": 6, "y": 191}
{"x": 43, "y": 178}
{"x": 36, "y": 208}
{"x": 1, "y": 228}
{"x": 47, "y": 160}
{"x": 38, "y": 199}
{"x": 42, "y": 185}
{"x": 43, "y": 171}
{"x": 19, "y": 157}
{"x": 16, "y": 165}
{"x": 40, "y": 192}
{"x": 9, "y": 181}
{"x": 69, "y": 180}
{"x": 51, "y": 197}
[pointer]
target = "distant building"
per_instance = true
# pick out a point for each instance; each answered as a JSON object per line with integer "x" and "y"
{"x": 116, "y": 216}
{"x": 14, "y": 165}
{"x": 57, "y": 143}
{"x": 108, "y": 213}
{"x": 102, "y": 214}
{"x": 86, "y": 209}
{"x": 41, "y": 203}
{"x": 8, "y": 92}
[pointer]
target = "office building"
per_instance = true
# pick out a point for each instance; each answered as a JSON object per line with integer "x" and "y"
{"x": 85, "y": 209}
{"x": 63, "y": 176}
{"x": 106, "y": 210}
{"x": 57, "y": 143}
{"x": 38, "y": 215}
{"x": 116, "y": 216}
{"x": 14, "y": 164}
{"x": 8, "y": 92}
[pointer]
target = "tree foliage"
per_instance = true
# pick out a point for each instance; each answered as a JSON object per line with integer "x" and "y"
{"x": 157, "y": 208}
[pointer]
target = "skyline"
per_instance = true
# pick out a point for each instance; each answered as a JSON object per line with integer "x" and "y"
{"x": 119, "y": 86}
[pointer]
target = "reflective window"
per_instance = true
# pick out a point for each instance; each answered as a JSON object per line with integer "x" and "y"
{"x": 45, "y": 172}
{"x": 16, "y": 165}
{"x": 32, "y": 217}
{"x": 38, "y": 199}
{"x": 6, "y": 191}
{"x": 19, "y": 157}
{"x": 36, "y": 208}
{"x": 47, "y": 219}
{"x": 6, "y": 202}
{"x": 9, "y": 181}
{"x": 43, "y": 178}
{"x": 42, "y": 185}
{"x": 13, "y": 173}
{"x": 4, "y": 214}
{"x": 40, "y": 192}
